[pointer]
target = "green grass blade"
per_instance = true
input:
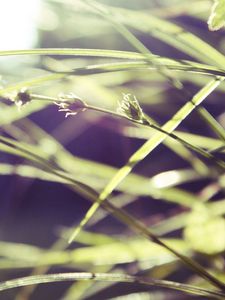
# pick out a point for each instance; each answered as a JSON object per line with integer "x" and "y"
{"x": 74, "y": 52}
{"x": 169, "y": 33}
{"x": 217, "y": 17}
{"x": 173, "y": 65}
{"x": 161, "y": 29}
{"x": 182, "y": 65}
{"x": 215, "y": 126}
{"x": 131, "y": 38}
{"x": 198, "y": 140}
{"x": 30, "y": 83}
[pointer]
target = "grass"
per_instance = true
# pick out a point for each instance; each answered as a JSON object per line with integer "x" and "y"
{"x": 192, "y": 185}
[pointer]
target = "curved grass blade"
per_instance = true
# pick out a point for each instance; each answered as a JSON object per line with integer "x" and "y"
{"x": 135, "y": 42}
{"x": 198, "y": 140}
{"x": 217, "y": 16}
{"x": 153, "y": 60}
{"x": 74, "y": 52}
{"x": 164, "y": 30}
{"x": 29, "y": 83}
{"x": 174, "y": 65}
{"x": 215, "y": 126}
{"x": 114, "y": 277}
{"x": 169, "y": 33}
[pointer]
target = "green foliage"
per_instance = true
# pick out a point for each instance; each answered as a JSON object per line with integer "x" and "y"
{"x": 130, "y": 86}
{"x": 217, "y": 17}
{"x": 204, "y": 231}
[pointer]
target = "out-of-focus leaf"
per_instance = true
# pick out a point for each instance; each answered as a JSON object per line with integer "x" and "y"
{"x": 217, "y": 16}
{"x": 205, "y": 231}
{"x": 132, "y": 250}
{"x": 197, "y": 140}
{"x": 167, "y": 32}
{"x": 106, "y": 254}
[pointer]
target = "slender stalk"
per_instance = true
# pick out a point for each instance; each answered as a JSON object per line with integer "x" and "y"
{"x": 113, "y": 277}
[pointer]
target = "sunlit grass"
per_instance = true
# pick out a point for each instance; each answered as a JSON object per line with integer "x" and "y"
{"x": 116, "y": 84}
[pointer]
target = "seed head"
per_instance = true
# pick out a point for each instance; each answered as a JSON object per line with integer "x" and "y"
{"x": 71, "y": 104}
{"x": 130, "y": 107}
{"x": 22, "y": 97}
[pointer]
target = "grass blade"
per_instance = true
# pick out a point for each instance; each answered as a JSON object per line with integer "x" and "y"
{"x": 169, "y": 33}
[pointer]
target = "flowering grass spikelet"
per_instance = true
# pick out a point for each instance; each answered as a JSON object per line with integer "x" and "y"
{"x": 130, "y": 108}
{"x": 22, "y": 98}
{"x": 71, "y": 104}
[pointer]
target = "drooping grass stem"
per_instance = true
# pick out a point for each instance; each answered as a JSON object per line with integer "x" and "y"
{"x": 146, "y": 122}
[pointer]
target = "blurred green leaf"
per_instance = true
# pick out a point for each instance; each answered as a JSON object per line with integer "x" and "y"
{"x": 168, "y": 32}
{"x": 217, "y": 17}
{"x": 205, "y": 231}
{"x": 110, "y": 253}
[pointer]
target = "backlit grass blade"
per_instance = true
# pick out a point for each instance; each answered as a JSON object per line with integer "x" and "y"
{"x": 148, "y": 146}
{"x": 164, "y": 30}
{"x": 217, "y": 17}
{"x": 153, "y": 60}
{"x": 173, "y": 65}
{"x": 198, "y": 140}
{"x": 74, "y": 52}
{"x": 30, "y": 83}
{"x": 99, "y": 250}
{"x": 169, "y": 33}
{"x": 133, "y": 40}
{"x": 215, "y": 126}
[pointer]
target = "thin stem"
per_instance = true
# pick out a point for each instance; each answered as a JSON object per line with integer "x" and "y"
{"x": 149, "y": 123}
{"x": 146, "y": 122}
{"x": 113, "y": 277}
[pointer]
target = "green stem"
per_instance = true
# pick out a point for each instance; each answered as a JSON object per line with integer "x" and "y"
{"x": 113, "y": 277}
{"x": 147, "y": 122}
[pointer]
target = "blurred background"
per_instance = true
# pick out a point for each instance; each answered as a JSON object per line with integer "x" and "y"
{"x": 36, "y": 212}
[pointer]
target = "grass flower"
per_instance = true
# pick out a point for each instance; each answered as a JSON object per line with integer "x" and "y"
{"x": 130, "y": 108}
{"x": 71, "y": 104}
